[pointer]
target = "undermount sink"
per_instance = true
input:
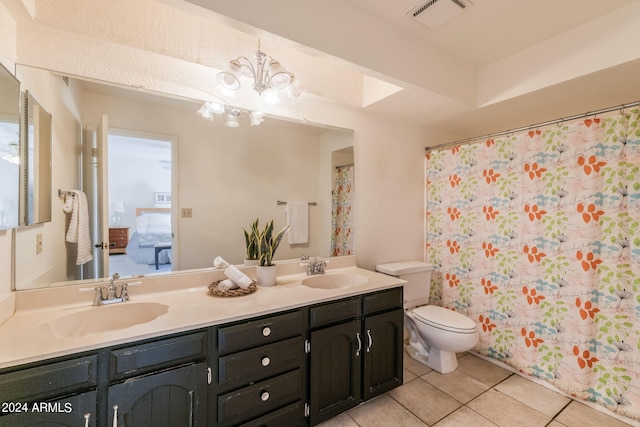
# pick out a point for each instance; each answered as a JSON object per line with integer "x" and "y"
{"x": 106, "y": 318}
{"x": 334, "y": 281}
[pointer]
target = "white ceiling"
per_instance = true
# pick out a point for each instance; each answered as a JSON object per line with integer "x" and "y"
{"x": 501, "y": 64}
{"x": 379, "y": 39}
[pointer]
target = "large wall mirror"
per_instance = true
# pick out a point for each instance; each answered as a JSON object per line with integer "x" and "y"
{"x": 167, "y": 166}
{"x": 9, "y": 149}
{"x": 35, "y": 186}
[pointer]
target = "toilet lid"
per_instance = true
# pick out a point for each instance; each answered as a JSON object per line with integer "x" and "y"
{"x": 443, "y": 318}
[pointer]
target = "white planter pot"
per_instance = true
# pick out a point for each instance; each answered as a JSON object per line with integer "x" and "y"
{"x": 266, "y": 275}
{"x": 250, "y": 262}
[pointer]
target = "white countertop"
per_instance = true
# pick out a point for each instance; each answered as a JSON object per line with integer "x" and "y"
{"x": 189, "y": 307}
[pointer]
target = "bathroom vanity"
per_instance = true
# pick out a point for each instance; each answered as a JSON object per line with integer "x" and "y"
{"x": 285, "y": 355}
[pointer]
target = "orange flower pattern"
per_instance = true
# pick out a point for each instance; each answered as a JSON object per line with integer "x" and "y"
{"x": 490, "y": 175}
{"x": 584, "y": 358}
{"x": 534, "y": 170}
{"x": 532, "y": 295}
{"x": 535, "y": 236}
{"x": 533, "y": 254}
{"x": 587, "y": 309}
{"x": 490, "y": 213}
{"x": 530, "y": 338}
{"x": 534, "y": 212}
{"x": 589, "y": 213}
{"x": 591, "y": 164}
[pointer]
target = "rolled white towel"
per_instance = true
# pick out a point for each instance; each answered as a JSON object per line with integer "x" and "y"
{"x": 238, "y": 277}
{"x": 227, "y": 285}
{"x": 220, "y": 263}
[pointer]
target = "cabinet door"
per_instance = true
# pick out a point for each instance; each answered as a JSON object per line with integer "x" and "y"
{"x": 171, "y": 398}
{"x": 382, "y": 340}
{"x": 335, "y": 370}
{"x": 74, "y": 411}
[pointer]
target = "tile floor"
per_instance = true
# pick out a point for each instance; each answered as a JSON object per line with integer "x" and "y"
{"x": 478, "y": 394}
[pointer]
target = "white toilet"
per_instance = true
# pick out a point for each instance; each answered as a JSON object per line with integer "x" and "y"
{"x": 436, "y": 333}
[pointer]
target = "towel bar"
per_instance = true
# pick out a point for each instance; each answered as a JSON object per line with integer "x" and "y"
{"x": 64, "y": 193}
{"x": 279, "y": 202}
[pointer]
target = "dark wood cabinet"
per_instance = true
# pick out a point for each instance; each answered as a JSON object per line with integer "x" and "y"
{"x": 171, "y": 398}
{"x": 261, "y": 372}
{"x": 72, "y": 411}
{"x": 355, "y": 352}
{"x": 295, "y": 368}
{"x": 382, "y": 368}
{"x": 335, "y": 373}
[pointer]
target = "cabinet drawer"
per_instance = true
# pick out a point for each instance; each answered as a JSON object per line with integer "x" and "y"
{"x": 290, "y": 416}
{"x": 382, "y": 301}
{"x": 153, "y": 355}
{"x": 259, "y": 399}
{"x": 248, "y": 366}
{"x": 258, "y": 332}
{"x": 327, "y": 314}
{"x": 48, "y": 381}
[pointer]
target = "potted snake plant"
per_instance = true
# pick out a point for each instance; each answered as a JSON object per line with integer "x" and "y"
{"x": 252, "y": 242}
{"x": 268, "y": 243}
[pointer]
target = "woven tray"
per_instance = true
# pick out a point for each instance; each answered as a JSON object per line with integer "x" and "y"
{"x": 214, "y": 291}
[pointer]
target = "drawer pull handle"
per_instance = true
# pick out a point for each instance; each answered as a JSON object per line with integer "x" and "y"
{"x": 266, "y": 331}
{"x": 265, "y": 361}
{"x": 87, "y": 417}
{"x": 115, "y": 415}
{"x": 370, "y": 343}
{"x": 359, "y": 344}
{"x": 264, "y": 396}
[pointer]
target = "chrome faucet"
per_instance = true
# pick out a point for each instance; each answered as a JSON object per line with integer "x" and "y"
{"x": 114, "y": 294}
{"x": 316, "y": 266}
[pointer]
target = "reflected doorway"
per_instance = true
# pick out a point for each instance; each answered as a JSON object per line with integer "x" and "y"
{"x": 140, "y": 203}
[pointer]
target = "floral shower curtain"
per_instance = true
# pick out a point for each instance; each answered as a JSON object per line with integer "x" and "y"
{"x": 342, "y": 216}
{"x": 536, "y": 236}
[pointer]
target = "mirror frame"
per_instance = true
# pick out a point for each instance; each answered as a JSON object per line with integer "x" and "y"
{"x": 13, "y": 202}
{"x": 35, "y": 162}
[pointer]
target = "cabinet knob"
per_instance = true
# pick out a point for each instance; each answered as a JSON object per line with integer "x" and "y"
{"x": 264, "y": 396}
{"x": 265, "y": 361}
{"x": 87, "y": 418}
{"x": 266, "y": 331}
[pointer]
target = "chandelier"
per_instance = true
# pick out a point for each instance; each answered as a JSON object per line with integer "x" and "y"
{"x": 269, "y": 77}
{"x": 210, "y": 110}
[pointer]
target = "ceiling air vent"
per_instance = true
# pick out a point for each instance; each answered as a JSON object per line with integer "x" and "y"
{"x": 435, "y": 13}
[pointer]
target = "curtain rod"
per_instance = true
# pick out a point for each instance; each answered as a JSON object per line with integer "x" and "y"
{"x": 345, "y": 166}
{"x": 537, "y": 125}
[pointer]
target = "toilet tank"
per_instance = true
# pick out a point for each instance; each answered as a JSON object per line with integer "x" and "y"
{"x": 418, "y": 277}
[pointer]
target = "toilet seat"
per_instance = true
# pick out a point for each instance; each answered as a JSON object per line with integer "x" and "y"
{"x": 445, "y": 319}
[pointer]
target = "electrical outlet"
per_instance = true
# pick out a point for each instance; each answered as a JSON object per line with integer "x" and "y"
{"x": 38, "y": 243}
{"x": 186, "y": 213}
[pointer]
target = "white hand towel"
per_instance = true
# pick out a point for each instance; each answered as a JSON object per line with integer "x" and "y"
{"x": 298, "y": 218}
{"x": 227, "y": 285}
{"x": 79, "y": 227}
{"x": 220, "y": 263}
{"x": 238, "y": 277}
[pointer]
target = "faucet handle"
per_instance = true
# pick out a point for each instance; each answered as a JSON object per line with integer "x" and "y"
{"x": 124, "y": 289}
{"x": 97, "y": 298}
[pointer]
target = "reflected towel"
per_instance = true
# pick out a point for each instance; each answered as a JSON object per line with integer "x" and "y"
{"x": 298, "y": 218}
{"x": 238, "y": 277}
{"x": 78, "y": 231}
{"x": 227, "y": 285}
